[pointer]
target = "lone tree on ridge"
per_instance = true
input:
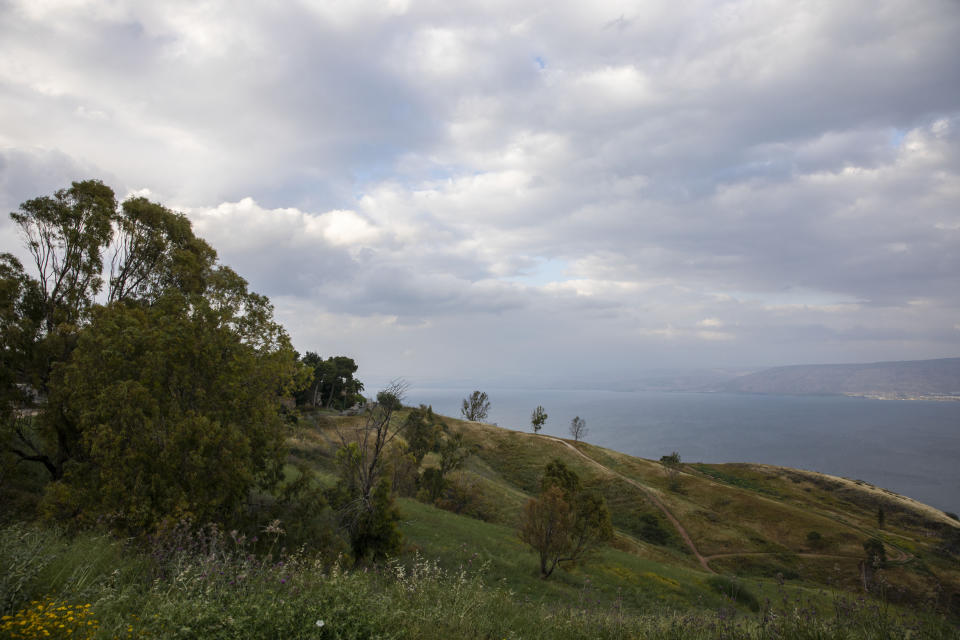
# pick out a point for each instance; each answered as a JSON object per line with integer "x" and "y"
{"x": 476, "y": 407}
{"x": 578, "y": 428}
{"x": 671, "y": 465}
{"x": 538, "y": 418}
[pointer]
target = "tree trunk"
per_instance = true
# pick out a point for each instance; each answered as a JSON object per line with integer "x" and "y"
{"x": 544, "y": 571}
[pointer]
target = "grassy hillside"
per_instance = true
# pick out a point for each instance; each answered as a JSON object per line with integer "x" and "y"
{"x": 729, "y": 553}
{"x": 764, "y": 525}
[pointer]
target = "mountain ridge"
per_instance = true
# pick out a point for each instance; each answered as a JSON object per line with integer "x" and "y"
{"x": 937, "y": 379}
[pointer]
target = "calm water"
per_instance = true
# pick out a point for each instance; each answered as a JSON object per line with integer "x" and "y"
{"x": 912, "y": 448}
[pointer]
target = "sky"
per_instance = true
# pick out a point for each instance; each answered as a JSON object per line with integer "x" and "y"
{"x": 542, "y": 193}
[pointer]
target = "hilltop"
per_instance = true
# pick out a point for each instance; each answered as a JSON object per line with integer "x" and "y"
{"x": 763, "y": 525}
{"x": 915, "y": 379}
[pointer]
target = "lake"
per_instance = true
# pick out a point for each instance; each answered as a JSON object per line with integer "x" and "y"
{"x": 910, "y": 447}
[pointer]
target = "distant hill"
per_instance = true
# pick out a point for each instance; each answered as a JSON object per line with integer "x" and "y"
{"x": 915, "y": 379}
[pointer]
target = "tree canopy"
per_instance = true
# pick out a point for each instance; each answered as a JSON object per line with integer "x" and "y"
{"x": 161, "y": 401}
{"x": 671, "y": 466}
{"x": 538, "y": 418}
{"x": 565, "y": 522}
{"x": 334, "y": 386}
{"x": 66, "y": 235}
{"x": 476, "y": 407}
{"x": 578, "y": 428}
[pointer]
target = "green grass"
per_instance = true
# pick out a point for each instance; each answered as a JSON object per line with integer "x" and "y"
{"x": 462, "y": 577}
{"x": 761, "y": 512}
{"x": 209, "y": 586}
{"x": 736, "y": 480}
{"x": 608, "y": 576}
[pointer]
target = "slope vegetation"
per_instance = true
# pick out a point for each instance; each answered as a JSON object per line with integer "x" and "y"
{"x": 768, "y": 527}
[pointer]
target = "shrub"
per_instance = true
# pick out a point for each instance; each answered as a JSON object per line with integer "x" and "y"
{"x": 876, "y": 554}
{"x": 735, "y": 590}
{"x": 652, "y": 530}
{"x": 24, "y": 553}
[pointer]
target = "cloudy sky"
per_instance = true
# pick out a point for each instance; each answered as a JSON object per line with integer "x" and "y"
{"x": 548, "y": 192}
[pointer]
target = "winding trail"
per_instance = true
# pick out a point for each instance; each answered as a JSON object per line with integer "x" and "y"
{"x": 900, "y": 556}
{"x": 650, "y": 496}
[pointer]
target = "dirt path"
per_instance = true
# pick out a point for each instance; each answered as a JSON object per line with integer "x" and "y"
{"x": 650, "y": 495}
{"x": 738, "y": 554}
{"x": 899, "y": 556}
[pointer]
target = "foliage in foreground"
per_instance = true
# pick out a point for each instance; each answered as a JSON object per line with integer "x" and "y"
{"x": 50, "y": 618}
{"x": 210, "y": 585}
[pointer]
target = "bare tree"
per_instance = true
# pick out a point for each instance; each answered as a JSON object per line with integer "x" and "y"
{"x": 578, "y": 428}
{"x": 362, "y": 449}
{"x": 366, "y": 504}
{"x": 476, "y": 407}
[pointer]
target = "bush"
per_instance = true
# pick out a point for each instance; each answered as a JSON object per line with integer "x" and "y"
{"x": 735, "y": 590}
{"x": 25, "y": 553}
{"x": 652, "y": 530}
{"x": 462, "y": 495}
{"x": 876, "y": 554}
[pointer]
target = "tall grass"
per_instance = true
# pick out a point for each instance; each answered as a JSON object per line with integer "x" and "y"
{"x": 209, "y": 584}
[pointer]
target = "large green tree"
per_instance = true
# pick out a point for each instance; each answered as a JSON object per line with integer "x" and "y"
{"x": 333, "y": 386}
{"x": 163, "y": 401}
{"x": 67, "y": 235}
{"x": 175, "y": 415}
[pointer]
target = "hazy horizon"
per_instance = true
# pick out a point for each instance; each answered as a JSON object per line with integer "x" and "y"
{"x": 540, "y": 193}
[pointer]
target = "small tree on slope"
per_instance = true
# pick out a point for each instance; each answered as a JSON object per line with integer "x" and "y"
{"x": 564, "y": 523}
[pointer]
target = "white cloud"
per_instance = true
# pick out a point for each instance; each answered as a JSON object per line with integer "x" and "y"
{"x": 621, "y": 87}
{"x": 347, "y": 228}
{"x": 715, "y": 335}
{"x": 557, "y": 178}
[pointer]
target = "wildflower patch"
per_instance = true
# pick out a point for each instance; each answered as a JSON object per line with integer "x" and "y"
{"x": 49, "y": 618}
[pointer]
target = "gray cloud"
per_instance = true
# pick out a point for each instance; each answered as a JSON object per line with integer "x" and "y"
{"x": 527, "y": 185}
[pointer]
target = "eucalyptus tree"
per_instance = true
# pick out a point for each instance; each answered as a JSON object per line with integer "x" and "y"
{"x": 161, "y": 397}
{"x": 66, "y": 234}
